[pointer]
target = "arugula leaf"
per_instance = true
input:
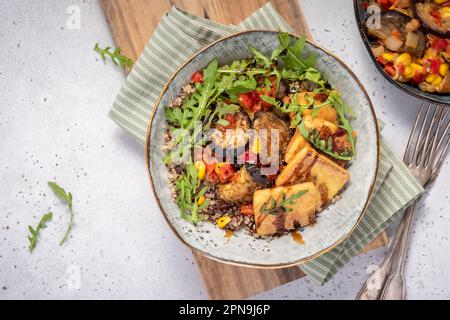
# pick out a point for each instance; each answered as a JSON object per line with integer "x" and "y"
{"x": 270, "y": 100}
{"x": 35, "y": 232}
{"x": 325, "y": 146}
{"x": 293, "y": 58}
{"x": 342, "y": 109}
{"x": 242, "y": 85}
{"x": 115, "y": 56}
{"x": 260, "y": 58}
{"x": 66, "y": 197}
{"x": 189, "y": 192}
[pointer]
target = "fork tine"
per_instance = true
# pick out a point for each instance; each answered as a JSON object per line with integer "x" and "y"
{"x": 438, "y": 164}
{"x": 440, "y": 123}
{"x": 434, "y": 128}
{"x": 407, "y": 158}
{"x": 443, "y": 117}
{"x": 416, "y": 153}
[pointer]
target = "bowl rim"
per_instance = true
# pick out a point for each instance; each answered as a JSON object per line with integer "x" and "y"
{"x": 247, "y": 264}
{"x": 365, "y": 40}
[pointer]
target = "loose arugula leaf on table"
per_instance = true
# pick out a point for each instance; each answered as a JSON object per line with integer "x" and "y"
{"x": 35, "y": 232}
{"x": 66, "y": 197}
{"x": 189, "y": 192}
{"x": 115, "y": 56}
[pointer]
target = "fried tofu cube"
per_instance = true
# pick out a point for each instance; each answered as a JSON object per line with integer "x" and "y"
{"x": 309, "y": 165}
{"x": 297, "y": 143}
{"x": 272, "y": 217}
{"x": 298, "y": 167}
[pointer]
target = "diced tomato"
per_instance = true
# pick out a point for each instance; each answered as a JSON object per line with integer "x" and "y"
{"x": 436, "y": 16}
{"x": 246, "y": 100}
{"x": 231, "y": 120}
{"x": 418, "y": 78}
{"x": 434, "y": 65}
{"x": 211, "y": 175}
{"x": 226, "y": 173}
{"x": 385, "y": 4}
{"x": 439, "y": 44}
{"x": 382, "y": 61}
{"x": 197, "y": 77}
{"x": 390, "y": 70}
{"x": 247, "y": 210}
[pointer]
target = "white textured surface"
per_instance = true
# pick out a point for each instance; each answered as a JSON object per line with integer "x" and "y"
{"x": 54, "y": 96}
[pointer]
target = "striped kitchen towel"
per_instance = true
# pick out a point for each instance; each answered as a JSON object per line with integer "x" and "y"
{"x": 177, "y": 37}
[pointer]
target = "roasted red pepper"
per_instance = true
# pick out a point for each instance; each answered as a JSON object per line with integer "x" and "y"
{"x": 226, "y": 173}
{"x": 247, "y": 210}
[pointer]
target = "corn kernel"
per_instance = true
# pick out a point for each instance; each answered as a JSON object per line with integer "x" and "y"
{"x": 256, "y": 146}
{"x": 437, "y": 81}
{"x": 388, "y": 56}
{"x": 440, "y": 1}
{"x": 200, "y": 166}
{"x": 201, "y": 200}
{"x": 429, "y": 53}
{"x": 416, "y": 67}
{"x": 445, "y": 12}
{"x": 404, "y": 59}
{"x": 443, "y": 69}
{"x": 223, "y": 221}
{"x": 430, "y": 78}
{"x": 409, "y": 72}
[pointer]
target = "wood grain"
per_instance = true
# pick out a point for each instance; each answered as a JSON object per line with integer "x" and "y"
{"x": 132, "y": 22}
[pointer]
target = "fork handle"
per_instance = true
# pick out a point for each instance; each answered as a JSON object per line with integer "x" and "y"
{"x": 374, "y": 285}
{"x": 394, "y": 288}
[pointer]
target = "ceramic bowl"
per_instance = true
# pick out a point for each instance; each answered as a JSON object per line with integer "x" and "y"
{"x": 361, "y": 16}
{"x": 333, "y": 225}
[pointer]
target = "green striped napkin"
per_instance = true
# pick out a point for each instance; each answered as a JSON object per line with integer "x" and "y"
{"x": 177, "y": 37}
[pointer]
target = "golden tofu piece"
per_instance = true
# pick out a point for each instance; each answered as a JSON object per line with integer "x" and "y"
{"x": 273, "y": 215}
{"x": 297, "y": 143}
{"x": 298, "y": 168}
{"x": 309, "y": 165}
{"x": 319, "y": 123}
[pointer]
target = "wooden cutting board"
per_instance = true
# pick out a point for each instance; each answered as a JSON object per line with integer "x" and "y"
{"x": 132, "y": 23}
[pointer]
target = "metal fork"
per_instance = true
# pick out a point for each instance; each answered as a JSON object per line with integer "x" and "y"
{"x": 425, "y": 151}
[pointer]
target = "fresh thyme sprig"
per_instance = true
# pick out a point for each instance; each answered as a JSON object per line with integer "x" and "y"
{"x": 116, "y": 57}
{"x": 274, "y": 207}
{"x": 35, "y": 232}
{"x": 66, "y": 197}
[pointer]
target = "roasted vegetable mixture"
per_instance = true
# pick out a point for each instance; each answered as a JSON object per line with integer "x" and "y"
{"x": 411, "y": 41}
{"x": 261, "y": 144}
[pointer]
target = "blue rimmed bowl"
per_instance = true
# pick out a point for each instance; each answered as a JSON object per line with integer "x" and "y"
{"x": 334, "y": 224}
